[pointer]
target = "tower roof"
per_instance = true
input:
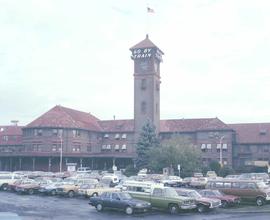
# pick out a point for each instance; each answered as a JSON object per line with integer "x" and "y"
{"x": 145, "y": 43}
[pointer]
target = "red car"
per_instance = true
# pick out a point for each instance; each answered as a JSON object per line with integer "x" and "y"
{"x": 226, "y": 200}
{"x": 12, "y": 186}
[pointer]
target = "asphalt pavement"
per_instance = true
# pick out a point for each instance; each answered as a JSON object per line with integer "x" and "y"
{"x": 38, "y": 207}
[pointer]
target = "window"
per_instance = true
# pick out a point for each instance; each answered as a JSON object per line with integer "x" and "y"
{"x": 106, "y": 135}
{"x": 116, "y": 147}
{"x": 143, "y": 107}
{"x": 124, "y": 147}
{"x": 143, "y": 84}
{"x": 124, "y": 136}
{"x": 218, "y": 146}
{"x": 209, "y": 146}
{"x": 54, "y": 147}
{"x": 203, "y": 146}
{"x": 104, "y": 147}
{"x": 157, "y": 192}
{"x": 117, "y": 136}
{"x": 225, "y": 146}
{"x": 38, "y": 132}
{"x": 89, "y": 148}
{"x": 115, "y": 196}
{"x": 5, "y": 138}
{"x": 108, "y": 147}
{"x": 76, "y": 133}
{"x": 227, "y": 185}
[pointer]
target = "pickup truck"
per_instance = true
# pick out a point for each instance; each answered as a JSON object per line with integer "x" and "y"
{"x": 160, "y": 197}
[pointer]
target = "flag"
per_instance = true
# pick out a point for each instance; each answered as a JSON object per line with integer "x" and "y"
{"x": 150, "y": 10}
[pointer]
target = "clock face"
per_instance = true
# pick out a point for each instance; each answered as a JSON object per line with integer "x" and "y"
{"x": 143, "y": 66}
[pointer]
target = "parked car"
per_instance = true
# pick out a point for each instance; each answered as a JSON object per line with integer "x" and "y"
{"x": 70, "y": 188}
{"x": 92, "y": 190}
{"x": 120, "y": 201}
{"x": 255, "y": 176}
{"x": 110, "y": 180}
{"x": 173, "y": 181}
{"x": 203, "y": 203}
{"x": 198, "y": 183}
{"x": 28, "y": 187}
{"x": 226, "y": 200}
{"x": 7, "y": 178}
{"x": 50, "y": 189}
{"x": 12, "y": 186}
{"x": 246, "y": 189}
{"x": 187, "y": 181}
{"x": 160, "y": 197}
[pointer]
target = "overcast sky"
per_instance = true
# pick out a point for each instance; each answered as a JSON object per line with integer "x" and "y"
{"x": 75, "y": 53}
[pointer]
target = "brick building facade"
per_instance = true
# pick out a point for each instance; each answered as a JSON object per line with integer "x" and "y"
{"x": 88, "y": 141}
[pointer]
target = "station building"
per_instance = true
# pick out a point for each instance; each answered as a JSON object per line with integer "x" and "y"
{"x": 81, "y": 138}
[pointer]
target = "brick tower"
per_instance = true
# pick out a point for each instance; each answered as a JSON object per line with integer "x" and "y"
{"x": 147, "y": 57}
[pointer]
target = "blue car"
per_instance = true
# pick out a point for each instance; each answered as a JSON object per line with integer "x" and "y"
{"x": 119, "y": 201}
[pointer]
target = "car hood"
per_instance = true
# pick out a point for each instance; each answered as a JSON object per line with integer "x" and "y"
{"x": 207, "y": 200}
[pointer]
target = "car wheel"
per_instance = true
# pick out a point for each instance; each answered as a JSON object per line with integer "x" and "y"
{"x": 30, "y": 191}
{"x": 129, "y": 210}
{"x": 260, "y": 201}
{"x": 4, "y": 187}
{"x": 94, "y": 195}
{"x": 53, "y": 192}
{"x": 224, "y": 204}
{"x": 201, "y": 208}
{"x": 71, "y": 194}
{"x": 99, "y": 207}
{"x": 173, "y": 209}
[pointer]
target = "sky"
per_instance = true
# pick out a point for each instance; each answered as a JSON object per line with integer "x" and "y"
{"x": 76, "y": 54}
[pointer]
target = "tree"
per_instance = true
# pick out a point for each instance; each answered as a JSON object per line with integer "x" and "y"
{"x": 147, "y": 141}
{"x": 225, "y": 170}
{"x": 177, "y": 150}
{"x": 215, "y": 166}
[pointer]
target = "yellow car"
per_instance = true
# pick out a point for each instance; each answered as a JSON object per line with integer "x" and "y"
{"x": 91, "y": 190}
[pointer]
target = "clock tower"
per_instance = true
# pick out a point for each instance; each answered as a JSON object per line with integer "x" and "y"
{"x": 147, "y": 58}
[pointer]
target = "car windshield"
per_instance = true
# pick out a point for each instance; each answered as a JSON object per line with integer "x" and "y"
{"x": 194, "y": 194}
{"x": 169, "y": 192}
{"x": 218, "y": 193}
{"x": 262, "y": 185}
{"x": 125, "y": 196}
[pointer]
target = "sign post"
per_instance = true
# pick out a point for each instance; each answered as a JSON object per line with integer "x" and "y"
{"x": 179, "y": 168}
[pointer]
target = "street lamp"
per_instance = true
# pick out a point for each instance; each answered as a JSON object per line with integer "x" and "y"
{"x": 61, "y": 151}
{"x": 220, "y": 150}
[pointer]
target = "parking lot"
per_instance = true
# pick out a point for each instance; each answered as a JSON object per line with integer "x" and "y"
{"x": 47, "y": 207}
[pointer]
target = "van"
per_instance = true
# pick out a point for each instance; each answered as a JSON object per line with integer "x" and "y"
{"x": 254, "y": 190}
{"x": 111, "y": 180}
{"x": 84, "y": 170}
{"x": 7, "y": 178}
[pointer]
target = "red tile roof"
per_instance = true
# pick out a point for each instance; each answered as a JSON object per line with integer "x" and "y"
{"x": 11, "y": 131}
{"x": 146, "y": 43}
{"x": 191, "y": 125}
{"x": 117, "y": 125}
{"x": 252, "y": 133}
{"x": 62, "y": 117}
{"x": 174, "y": 125}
